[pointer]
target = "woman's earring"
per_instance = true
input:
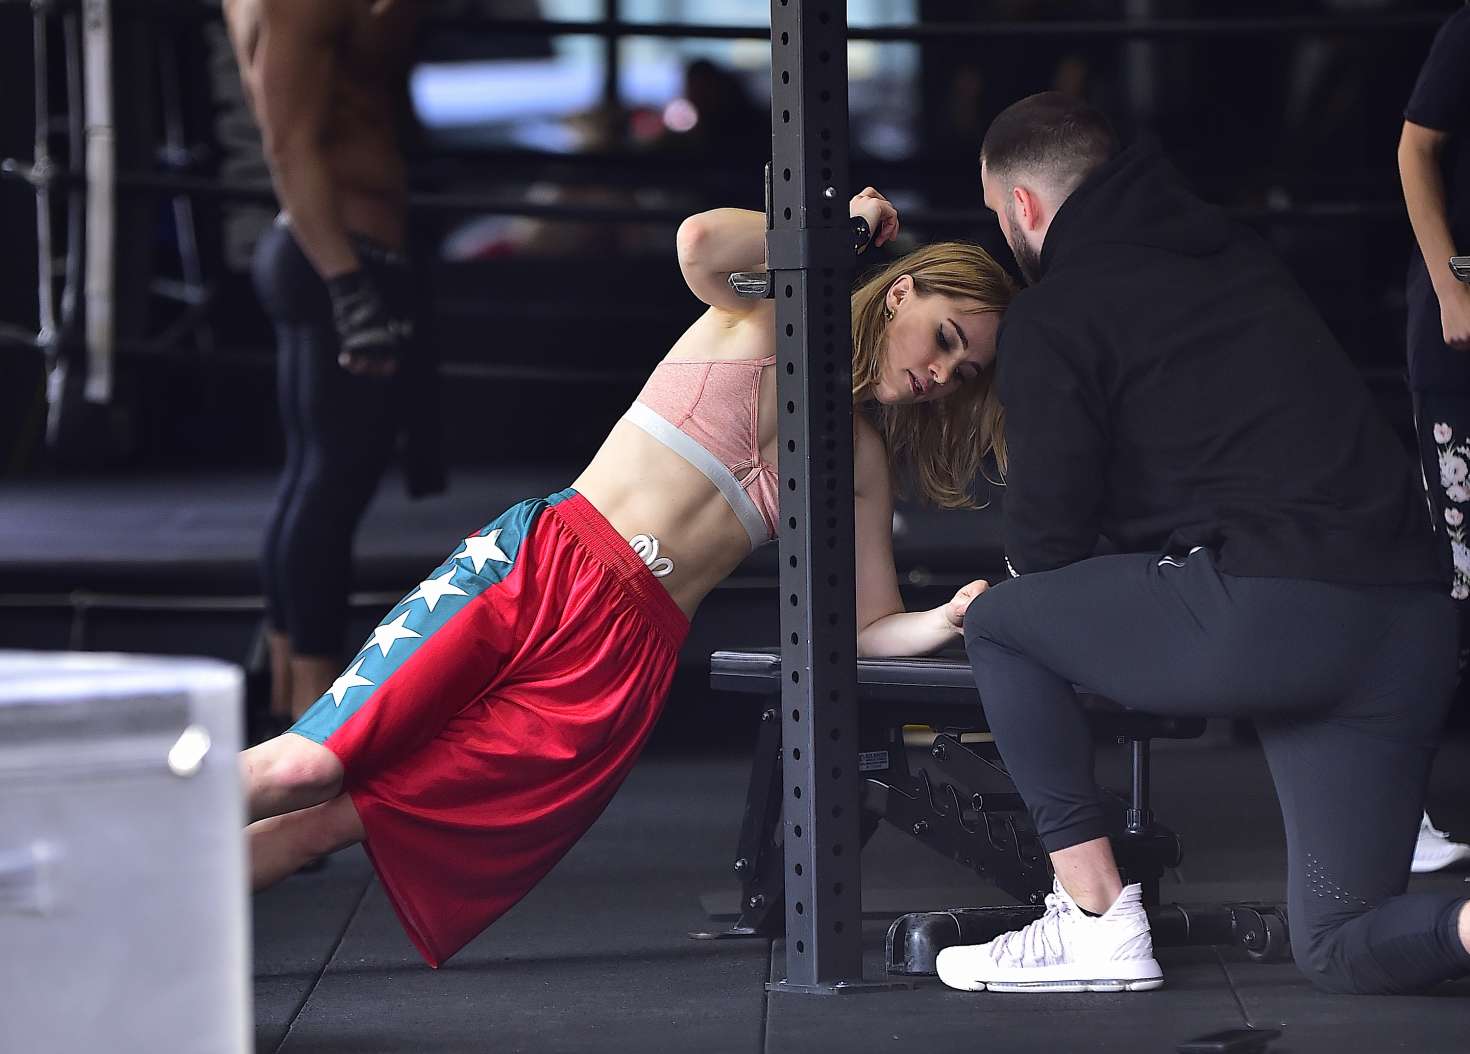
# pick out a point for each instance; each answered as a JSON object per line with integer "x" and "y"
{"x": 888, "y": 314}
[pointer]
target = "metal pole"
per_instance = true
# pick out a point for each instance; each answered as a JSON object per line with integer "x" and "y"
{"x": 810, "y": 254}
{"x": 41, "y": 162}
{"x": 98, "y": 292}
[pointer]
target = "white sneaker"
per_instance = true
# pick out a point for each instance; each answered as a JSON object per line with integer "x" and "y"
{"x": 1434, "y": 851}
{"x": 1063, "y": 951}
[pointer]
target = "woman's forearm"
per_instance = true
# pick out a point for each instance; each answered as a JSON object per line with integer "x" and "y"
{"x": 723, "y": 241}
{"x": 907, "y": 633}
{"x": 1424, "y": 197}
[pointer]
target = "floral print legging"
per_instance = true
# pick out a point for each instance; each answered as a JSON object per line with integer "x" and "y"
{"x": 1443, "y": 424}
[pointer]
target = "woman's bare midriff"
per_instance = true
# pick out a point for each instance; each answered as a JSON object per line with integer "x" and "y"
{"x": 642, "y": 487}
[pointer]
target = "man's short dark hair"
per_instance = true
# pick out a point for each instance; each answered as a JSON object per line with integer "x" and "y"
{"x": 1051, "y": 137}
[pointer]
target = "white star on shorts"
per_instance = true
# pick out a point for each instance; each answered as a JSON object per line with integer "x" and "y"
{"x": 479, "y": 548}
{"x": 386, "y": 635}
{"x": 348, "y": 681}
{"x": 432, "y": 590}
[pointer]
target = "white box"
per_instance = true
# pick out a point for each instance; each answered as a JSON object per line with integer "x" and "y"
{"x": 123, "y": 899}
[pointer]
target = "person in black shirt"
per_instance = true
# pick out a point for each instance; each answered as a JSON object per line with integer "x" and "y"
{"x": 1434, "y": 164}
{"x": 1169, "y": 389}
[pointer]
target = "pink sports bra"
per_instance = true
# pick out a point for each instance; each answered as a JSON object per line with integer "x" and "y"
{"x": 708, "y": 412}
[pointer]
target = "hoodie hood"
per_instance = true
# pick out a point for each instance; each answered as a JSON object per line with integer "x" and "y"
{"x": 1138, "y": 198}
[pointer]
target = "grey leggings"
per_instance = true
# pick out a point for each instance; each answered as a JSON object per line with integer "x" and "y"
{"x": 1348, "y": 686}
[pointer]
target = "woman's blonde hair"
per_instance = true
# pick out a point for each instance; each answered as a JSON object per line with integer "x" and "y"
{"x": 942, "y": 444}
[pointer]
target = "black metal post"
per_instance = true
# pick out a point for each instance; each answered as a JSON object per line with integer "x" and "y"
{"x": 811, "y": 258}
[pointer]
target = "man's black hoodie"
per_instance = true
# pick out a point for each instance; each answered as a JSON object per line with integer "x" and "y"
{"x": 1167, "y": 385}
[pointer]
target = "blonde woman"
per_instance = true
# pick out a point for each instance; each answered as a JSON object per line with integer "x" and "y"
{"x": 491, "y": 716}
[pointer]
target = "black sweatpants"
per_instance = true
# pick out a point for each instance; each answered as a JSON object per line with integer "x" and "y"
{"x": 341, "y": 431}
{"x": 1348, "y": 686}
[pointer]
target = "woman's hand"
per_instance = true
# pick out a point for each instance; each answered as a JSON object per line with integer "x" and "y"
{"x": 955, "y": 610}
{"x": 878, "y": 211}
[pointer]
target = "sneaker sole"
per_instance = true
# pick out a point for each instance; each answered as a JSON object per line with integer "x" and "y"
{"x": 1147, "y": 976}
{"x": 1146, "y": 984}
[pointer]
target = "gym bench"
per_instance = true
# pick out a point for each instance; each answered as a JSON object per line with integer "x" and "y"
{"x": 954, "y": 795}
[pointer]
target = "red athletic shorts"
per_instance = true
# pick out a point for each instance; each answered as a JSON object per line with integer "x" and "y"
{"x": 496, "y": 709}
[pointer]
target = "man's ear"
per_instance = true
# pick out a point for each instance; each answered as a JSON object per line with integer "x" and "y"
{"x": 1030, "y": 209}
{"x": 898, "y": 291}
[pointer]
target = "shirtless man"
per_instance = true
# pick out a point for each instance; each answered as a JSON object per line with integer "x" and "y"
{"x": 325, "y": 81}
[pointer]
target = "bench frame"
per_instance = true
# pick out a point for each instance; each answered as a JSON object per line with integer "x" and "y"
{"x": 958, "y": 799}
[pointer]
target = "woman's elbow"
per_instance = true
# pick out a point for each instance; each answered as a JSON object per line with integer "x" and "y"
{"x": 691, "y": 238}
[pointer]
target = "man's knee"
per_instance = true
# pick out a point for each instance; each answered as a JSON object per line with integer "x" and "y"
{"x": 980, "y": 620}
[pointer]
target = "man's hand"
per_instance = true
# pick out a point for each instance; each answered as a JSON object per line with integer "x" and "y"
{"x": 955, "y": 610}
{"x": 878, "y": 212}
{"x": 1454, "y": 315}
{"x": 372, "y": 340}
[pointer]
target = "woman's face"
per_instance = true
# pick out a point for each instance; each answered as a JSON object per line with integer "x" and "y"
{"x": 934, "y": 345}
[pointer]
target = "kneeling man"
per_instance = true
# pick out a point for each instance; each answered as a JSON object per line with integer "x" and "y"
{"x": 1170, "y": 389}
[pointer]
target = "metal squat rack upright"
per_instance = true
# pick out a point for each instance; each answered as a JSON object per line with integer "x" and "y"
{"x": 810, "y": 255}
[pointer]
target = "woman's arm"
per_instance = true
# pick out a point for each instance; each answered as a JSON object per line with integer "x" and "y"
{"x": 884, "y": 627}
{"x": 713, "y": 245}
{"x": 1424, "y": 196}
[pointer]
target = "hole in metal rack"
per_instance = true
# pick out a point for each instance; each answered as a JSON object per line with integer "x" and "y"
{"x": 788, "y": 288}
{"x": 832, "y": 581}
{"x": 790, "y": 407}
{"x": 791, "y": 445}
{"x": 796, "y": 830}
{"x": 796, "y": 715}
{"x": 837, "y": 849}
{"x": 798, "y": 866}
{"x": 796, "y": 753}
{"x": 786, "y": 174}
{"x": 791, "y": 523}
{"x": 800, "y": 948}
{"x": 786, "y": 38}
{"x": 837, "y": 927}
{"x": 796, "y": 793}
{"x": 836, "y": 772}
{"x": 785, "y": 77}
{"x": 790, "y": 368}
{"x": 791, "y": 484}
{"x": 793, "y": 561}
{"x": 795, "y": 676}
{"x": 835, "y": 734}
{"x": 787, "y": 213}
{"x": 800, "y": 908}
{"x": 785, "y": 116}
{"x": 795, "y": 639}
{"x": 837, "y": 888}
{"x": 790, "y": 329}
{"x": 793, "y": 600}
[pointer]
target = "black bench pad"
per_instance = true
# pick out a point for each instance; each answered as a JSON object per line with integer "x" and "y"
{"x": 936, "y": 690}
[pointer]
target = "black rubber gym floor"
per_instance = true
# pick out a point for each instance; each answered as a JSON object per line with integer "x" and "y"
{"x": 597, "y": 957}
